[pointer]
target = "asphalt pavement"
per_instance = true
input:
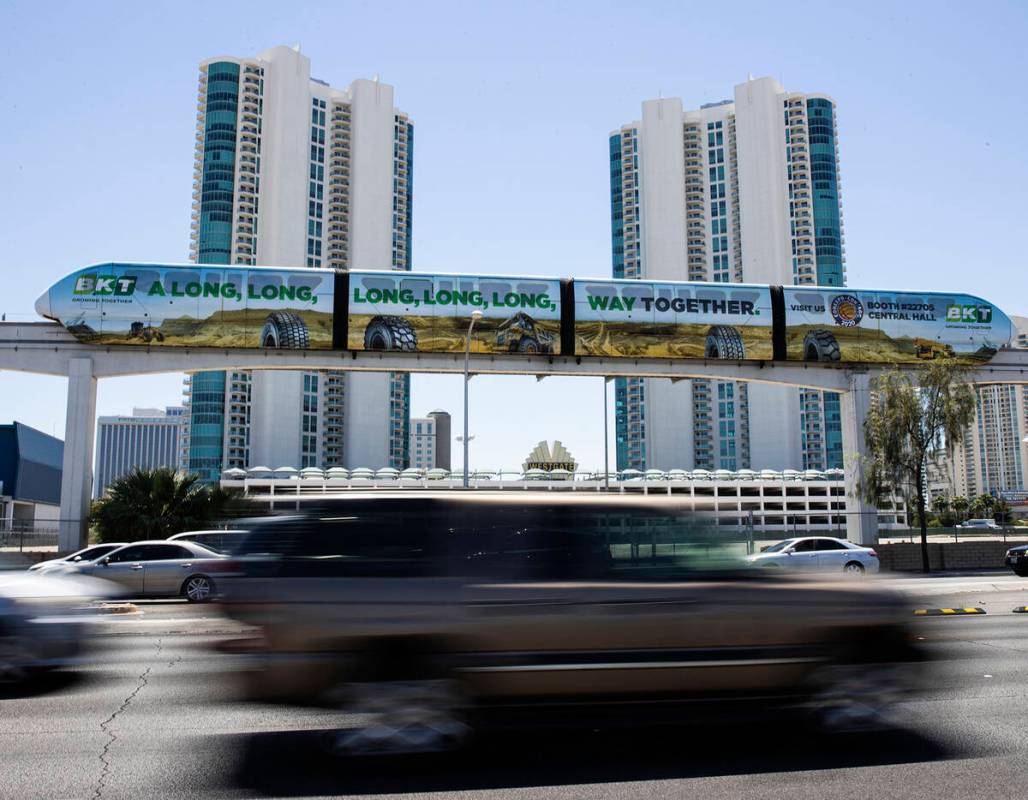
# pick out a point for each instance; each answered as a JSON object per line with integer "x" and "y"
{"x": 153, "y": 718}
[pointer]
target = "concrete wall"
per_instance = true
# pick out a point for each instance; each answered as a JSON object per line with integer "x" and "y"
{"x": 906, "y": 556}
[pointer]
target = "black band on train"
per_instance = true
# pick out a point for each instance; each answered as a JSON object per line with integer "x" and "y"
{"x": 567, "y": 317}
{"x": 778, "y": 323}
{"x": 340, "y": 316}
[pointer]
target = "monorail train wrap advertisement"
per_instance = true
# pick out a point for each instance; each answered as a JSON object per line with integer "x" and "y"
{"x": 672, "y": 320}
{"x": 853, "y": 325}
{"x": 203, "y": 306}
{"x": 431, "y": 313}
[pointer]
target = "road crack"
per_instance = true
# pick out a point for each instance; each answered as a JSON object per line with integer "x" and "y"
{"x": 106, "y": 727}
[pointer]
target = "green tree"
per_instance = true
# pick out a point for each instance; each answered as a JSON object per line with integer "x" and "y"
{"x": 1001, "y": 511}
{"x": 940, "y": 504}
{"x": 960, "y": 505}
{"x": 915, "y": 413}
{"x": 154, "y": 504}
{"x": 981, "y": 507}
{"x": 942, "y": 509}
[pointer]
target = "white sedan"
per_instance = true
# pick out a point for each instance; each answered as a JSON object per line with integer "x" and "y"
{"x": 818, "y": 553}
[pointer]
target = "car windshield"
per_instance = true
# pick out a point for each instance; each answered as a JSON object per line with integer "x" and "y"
{"x": 92, "y": 553}
{"x": 778, "y": 548}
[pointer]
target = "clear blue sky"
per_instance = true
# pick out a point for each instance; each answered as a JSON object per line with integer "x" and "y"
{"x": 512, "y": 104}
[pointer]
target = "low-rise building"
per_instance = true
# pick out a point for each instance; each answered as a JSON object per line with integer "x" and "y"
{"x": 30, "y": 479}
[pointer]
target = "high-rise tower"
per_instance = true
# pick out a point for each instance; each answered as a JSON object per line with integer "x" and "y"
{"x": 746, "y": 190}
{"x": 292, "y": 172}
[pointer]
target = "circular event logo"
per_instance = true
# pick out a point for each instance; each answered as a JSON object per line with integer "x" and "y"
{"x": 847, "y": 310}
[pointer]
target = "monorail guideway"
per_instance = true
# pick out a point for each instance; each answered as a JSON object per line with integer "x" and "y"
{"x": 126, "y": 319}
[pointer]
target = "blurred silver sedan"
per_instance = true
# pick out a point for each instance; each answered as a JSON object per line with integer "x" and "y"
{"x": 157, "y": 568}
{"x": 42, "y": 621}
{"x": 91, "y": 553}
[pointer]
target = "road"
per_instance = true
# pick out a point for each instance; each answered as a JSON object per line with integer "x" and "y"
{"x": 153, "y": 719}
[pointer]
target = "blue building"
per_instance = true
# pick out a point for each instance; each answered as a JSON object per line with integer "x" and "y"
{"x": 30, "y": 476}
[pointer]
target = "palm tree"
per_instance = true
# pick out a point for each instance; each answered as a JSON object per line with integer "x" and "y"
{"x": 154, "y": 504}
{"x": 981, "y": 507}
{"x": 959, "y": 505}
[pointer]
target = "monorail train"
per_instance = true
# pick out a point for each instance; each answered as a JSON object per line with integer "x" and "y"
{"x": 160, "y": 305}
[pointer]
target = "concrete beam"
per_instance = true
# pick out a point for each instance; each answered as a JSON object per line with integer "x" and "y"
{"x": 861, "y": 517}
{"x": 77, "y": 470}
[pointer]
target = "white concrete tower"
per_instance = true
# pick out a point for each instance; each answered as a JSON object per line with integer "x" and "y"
{"x": 292, "y": 172}
{"x": 737, "y": 191}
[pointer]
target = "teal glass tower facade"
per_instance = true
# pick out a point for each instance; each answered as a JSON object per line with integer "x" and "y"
{"x": 824, "y": 173}
{"x": 207, "y": 396}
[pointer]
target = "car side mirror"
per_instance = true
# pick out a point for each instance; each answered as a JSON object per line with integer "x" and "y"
{"x": 105, "y": 561}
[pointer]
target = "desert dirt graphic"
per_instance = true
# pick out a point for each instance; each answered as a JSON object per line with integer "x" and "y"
{"x": 519, "y": 333}
{"x": 669, "y": 340}
{"x": 291, "y": 328}
{"x": 866, "y": 345}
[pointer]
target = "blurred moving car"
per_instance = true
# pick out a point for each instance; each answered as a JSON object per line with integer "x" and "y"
{"x": 157, "y": 568}
{"x": 980, "y": 524}
{"x": 220, "y": 541}
{"x": 91, "y": 553}
{"x": 41, "y": 624}
{"x": 819, "y": 553}
{"x": 432, "y": 612}
{"x": 1017, "y": 560}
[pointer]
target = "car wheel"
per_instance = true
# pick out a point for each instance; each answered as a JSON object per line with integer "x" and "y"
{"x": 198, "y": 589}
{"x": 390, "y": 333}
{"x": 849, "y": 698}
{"x": 853, "y": 568}
{"x": 283, "y": 329}
{"x": 724, "y": 341}
{"x": 1021, "y": 573}
{"x": 415, "y": 716}
{"x": 820, "y": 345}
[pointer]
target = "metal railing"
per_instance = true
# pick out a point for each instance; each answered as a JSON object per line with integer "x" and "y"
{"x": 23, "y": 535}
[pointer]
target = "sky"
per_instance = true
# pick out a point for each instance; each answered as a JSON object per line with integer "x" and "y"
{"x": 512, "y": 105}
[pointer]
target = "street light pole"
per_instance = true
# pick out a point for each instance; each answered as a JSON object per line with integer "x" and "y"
{"x": 475, "y": 316}
{"x": 606, "y": 440}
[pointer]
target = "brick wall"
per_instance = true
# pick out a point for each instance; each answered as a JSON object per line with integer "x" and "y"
{"x": 906, "y": 556}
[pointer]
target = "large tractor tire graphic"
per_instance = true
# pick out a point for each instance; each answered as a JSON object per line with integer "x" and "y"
{"x": 283, "y": 329}
{"x": 724, "y": 341}
{"x": 528, "y": 345}
{"x": 819, "y": 345}
{"x": 390, "y": 333}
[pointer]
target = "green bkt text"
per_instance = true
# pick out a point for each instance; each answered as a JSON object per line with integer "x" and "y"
{"x": 116, "y": 285}
{"x": 456, "y": 297}
{"x": 232, "y": 291}
{"x": 680, "y": 305}
{"x": 974, "y": 314}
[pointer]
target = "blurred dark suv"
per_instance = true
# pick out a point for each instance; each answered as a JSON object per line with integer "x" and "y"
{"x": 433, "y": 611}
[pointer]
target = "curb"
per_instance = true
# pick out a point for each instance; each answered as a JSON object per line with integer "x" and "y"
{"x": 947, "y": 612}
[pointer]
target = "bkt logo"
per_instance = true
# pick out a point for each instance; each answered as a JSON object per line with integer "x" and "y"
{"x": 973, "y": 314}
{"x": 105, "y": 285}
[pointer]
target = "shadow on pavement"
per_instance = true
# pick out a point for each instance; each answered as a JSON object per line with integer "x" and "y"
{"x": 296, "y": 764}
{"x": 44, "y": 683}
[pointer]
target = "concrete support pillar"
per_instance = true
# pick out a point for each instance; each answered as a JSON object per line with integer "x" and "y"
{"x": 77, "y": 470}
{"x": 861, "y": 517}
